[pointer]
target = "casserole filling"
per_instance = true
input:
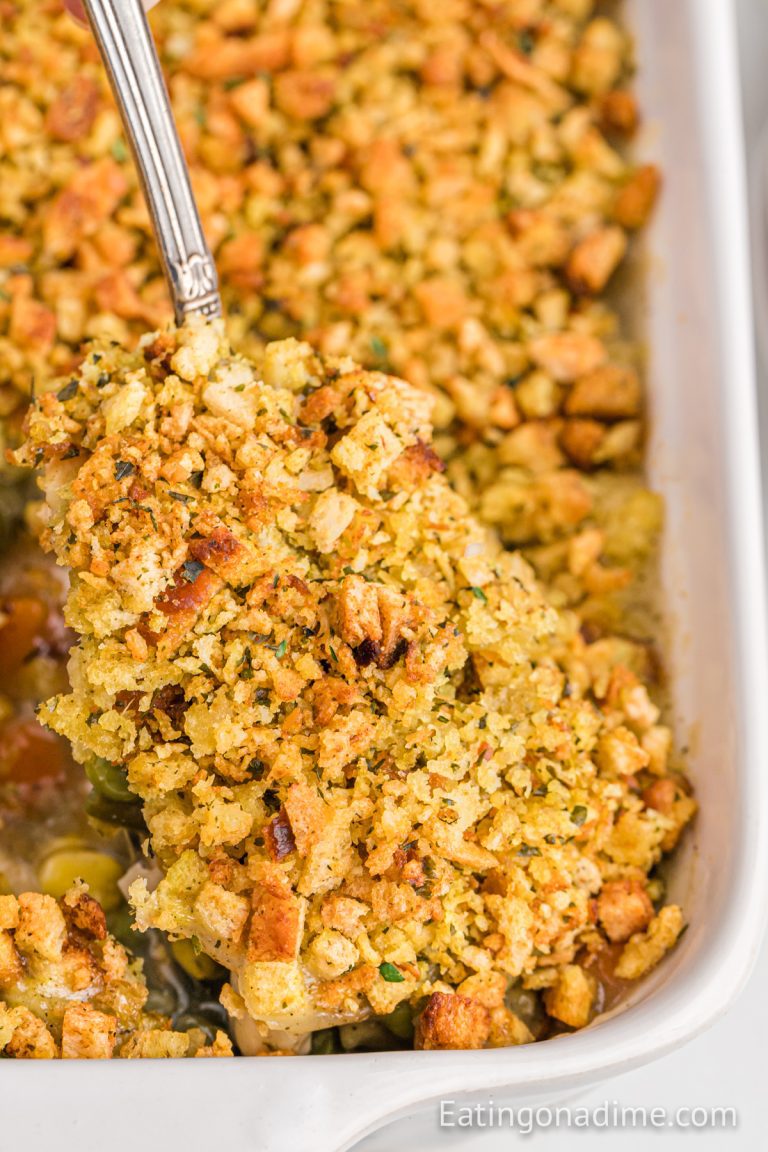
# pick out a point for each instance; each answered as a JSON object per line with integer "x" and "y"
{"x": 377, "y": 767}
{"x": 440, "y": 192}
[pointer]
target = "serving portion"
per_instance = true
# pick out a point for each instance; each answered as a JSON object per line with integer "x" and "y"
{"x": 404, "y": 784}
{"x": 376, "y": 765}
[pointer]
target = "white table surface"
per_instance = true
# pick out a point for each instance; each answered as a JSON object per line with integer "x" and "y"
{"x": 727, "y": 1065}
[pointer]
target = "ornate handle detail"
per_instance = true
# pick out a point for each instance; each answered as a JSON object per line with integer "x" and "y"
{"x": 128, "y": 51}
{"x": 197, "y": 284}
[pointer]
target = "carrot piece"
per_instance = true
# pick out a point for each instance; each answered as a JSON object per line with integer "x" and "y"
{"x": 25, "y": 620}
{"x": 29, "y": 753}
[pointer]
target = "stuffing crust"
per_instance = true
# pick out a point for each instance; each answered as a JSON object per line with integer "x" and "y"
{"x": 374, "y": 758}
{"x": 69, "y": 990}
{"x": 450, "y": 767}
{"x": 442, "y": 191}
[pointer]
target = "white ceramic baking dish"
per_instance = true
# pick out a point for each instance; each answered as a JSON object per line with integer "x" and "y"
{"x": 704, "y": 459}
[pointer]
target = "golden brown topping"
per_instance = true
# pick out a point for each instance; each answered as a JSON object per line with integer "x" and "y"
{"x": 646, "y": 949}
{"x": 72, "y": 113}
{"x": 635, "y": 200}
{"x": 24, "y": 1036}
{"x": 594, "y": 260}
{"x": 452, "y": 1021}
{"x": 567, "y": 355}
{"x": 181, "y": 604}
{"x": 278, "y": 836}
{"x": 619, "y": 112}
{"x": 624, "y": 907}
{"x": 87, "y": 1034}
{"x": 609, "y": 393}
{"x": 69, "y": 989}
{"x": 306, "y": 814}
{"x": 86, "y": 914}
{"x": 274, "y": 932}
{"x": 11, "y": 967}
{"x": 571, "y": 998}
{"x": 345, "y": 714}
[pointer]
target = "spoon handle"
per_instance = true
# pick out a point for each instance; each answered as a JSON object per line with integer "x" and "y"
{"x": 128, "y": 51}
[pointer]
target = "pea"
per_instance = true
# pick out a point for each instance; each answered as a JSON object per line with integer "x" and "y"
{"x": 110, "y": 780}
{"x": 400, "y": 1021}
{"x": 195, "y": 963}
{"x": 115, "y": 813}
{"x": 325, "y": 1042}
{"x": 101, "y": 873}
{"x": 120, "y": 924}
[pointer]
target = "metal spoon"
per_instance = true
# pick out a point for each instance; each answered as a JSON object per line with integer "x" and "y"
{"x": 130, "y": 58}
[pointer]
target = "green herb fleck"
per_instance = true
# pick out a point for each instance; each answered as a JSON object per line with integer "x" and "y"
{"x": 68, "y": 391}
{"x": 190, "y": 570}
{"x": 579, "y": 815}
{"x": 526, "y": 42}
{"x": 271, "y": 800}
{"x": 529, "y": 850}
{"x": 390, "y": 973}
{"x": 123, "y": 468}
{"x": 281, "y": 649}
{"x": 119, "y": 151}
{"x": 180, "y": 497}
{"x": 479, "y": 594}
{"x": 379, "y": 348}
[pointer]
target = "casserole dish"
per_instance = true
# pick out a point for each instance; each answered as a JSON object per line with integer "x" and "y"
{"x": 703, "y": 458}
